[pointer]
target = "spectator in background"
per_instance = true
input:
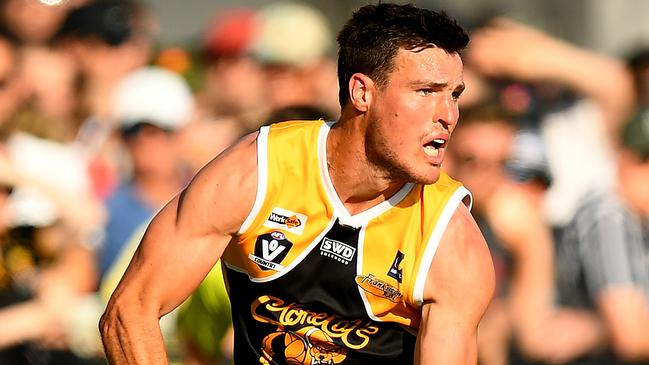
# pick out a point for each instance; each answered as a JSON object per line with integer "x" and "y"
{"x": 509, "y": 215}
{"x": 578, "y": 134}
{"x": 31, "y": 23}
{"x": 151, "y": 105}
{"x": 294, "y": 45}
{"x": 234, "y": 84}
{"x": 598, "y": 262}
{"x": 603, "y": 256}
{"x": 106, "y": 40}
{"x": 54, "y": 166}
{"x": 45, "y": 258}
{"x": 12, "y": 93}
{"x": 51, "y": 99}
{"x": 50, "y": 103}
{"x": 229, "y": 99}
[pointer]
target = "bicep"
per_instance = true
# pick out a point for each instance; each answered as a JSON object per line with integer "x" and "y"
{"x": 458, "y": 290}
{"x": 187, "y": 237}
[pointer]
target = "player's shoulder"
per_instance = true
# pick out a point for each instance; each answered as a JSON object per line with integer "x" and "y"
{"x": 240, "y": 157}
{"x": 462, "y": 263}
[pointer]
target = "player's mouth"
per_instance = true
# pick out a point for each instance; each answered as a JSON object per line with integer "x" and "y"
{"x": 435, "y": 147}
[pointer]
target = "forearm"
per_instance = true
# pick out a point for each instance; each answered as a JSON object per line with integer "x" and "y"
{"x": 612, "y": 90}
{"x": 22, "y": 322}
{"x": 132, "y": 337}
{"x": 509, "y": 49}
{"x": 564, "y": 335}
{"x": 624, "y": 310}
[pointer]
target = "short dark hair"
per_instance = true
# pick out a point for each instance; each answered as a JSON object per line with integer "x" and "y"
{"x": 111, "y": 21}
{"x": 370, "y": 40}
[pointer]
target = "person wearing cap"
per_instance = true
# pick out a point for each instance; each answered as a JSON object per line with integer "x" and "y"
{"x": 294, "y": 46}
{"x": 150, "y": 104}
{"x": 340, "y": 242}
{"x": 107, "y": 40}
{"x": 233, "y": 85}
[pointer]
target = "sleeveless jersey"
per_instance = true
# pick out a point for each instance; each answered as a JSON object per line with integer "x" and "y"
{"x": 311, "y": 284}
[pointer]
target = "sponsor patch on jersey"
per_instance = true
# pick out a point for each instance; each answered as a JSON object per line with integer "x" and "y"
{"x": 377, "y": 287}
{"x": 285, "y": 219}
{"x": 395, "y": 270}
{"x": 270, "y": 249}
{"x": 337, "y": 250}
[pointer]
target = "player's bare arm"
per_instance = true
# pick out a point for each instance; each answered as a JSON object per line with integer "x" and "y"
{"x": 180, "y": 246}
{"x": 459, "y": 287}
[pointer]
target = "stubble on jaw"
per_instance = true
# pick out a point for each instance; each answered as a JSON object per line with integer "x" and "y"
{"x": 385, "y": 161}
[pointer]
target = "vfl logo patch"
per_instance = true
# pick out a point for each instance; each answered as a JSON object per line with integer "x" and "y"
{"x": 337, "y": 250}
{"x": 374, "y": 286}
{"x": 285, "y": 219}
{"x": 270, "y": 250}
{"x": 395, "y": 270}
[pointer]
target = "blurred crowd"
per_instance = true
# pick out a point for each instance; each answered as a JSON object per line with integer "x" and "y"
{"x": 100, "y": 127}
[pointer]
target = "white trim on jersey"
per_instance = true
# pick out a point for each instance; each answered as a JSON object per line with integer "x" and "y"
{"x": 359, "y": 271}
{"x": 435, "y": 237}
{"x": 346, "y": 219}
{"x": 262, "y": 178}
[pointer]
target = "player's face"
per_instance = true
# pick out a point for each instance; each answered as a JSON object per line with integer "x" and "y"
{"x": 412, "y": 117}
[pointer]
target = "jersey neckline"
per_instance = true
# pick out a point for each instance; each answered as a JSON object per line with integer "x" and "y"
{"x": 359, "y": 219}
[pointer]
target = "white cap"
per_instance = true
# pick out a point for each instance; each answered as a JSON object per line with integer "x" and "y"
{"x": 154, "y": 95}
{"x": 291, "y": 33}
{"x": 31, "y": 207}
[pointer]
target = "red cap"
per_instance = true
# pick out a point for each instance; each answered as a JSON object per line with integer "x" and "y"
{"x": 230, "y": 32}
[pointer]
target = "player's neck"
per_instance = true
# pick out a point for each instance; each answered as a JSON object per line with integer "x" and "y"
{"x": 358, "y": 184}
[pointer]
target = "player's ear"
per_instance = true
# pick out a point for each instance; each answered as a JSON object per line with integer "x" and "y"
{"x": 361, "y": 89}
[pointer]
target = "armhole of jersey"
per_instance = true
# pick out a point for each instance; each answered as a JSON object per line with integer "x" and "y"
{"x": 461, "y": 195}
{"x": 262, "y": 178}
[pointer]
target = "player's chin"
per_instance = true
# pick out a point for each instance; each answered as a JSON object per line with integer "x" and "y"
{"x": 426, "y": 176}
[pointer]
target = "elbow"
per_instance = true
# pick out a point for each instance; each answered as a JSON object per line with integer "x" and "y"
{"x": 109, "y": 320}
{"x": 120, "y": 314}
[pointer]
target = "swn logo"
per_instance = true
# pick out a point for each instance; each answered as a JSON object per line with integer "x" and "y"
{"x": 337, "y": 250}
{"x": 285, "y": 219}
{"x": 270, "y": 250}
{"x": 377, "y": 287}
